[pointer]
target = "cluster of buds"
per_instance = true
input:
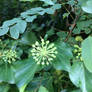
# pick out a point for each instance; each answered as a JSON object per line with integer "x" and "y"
{"x": 43, "y": 53}
{"x": 77, "y": 52}
{"x": 8, "y": 56}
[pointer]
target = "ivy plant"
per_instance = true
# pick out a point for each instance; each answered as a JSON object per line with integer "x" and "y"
{"x": 48, "y": 48}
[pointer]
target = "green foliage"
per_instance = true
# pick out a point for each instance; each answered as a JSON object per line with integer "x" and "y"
{"x": 48, "y": 48}
{"x": 42, "y": 89}
{"x": 87, "y": 5}
{"x": 7, "y": 73}
{"x": 4, "y": 87}
{"x": 81, "y": 77}
{"x": 86, "y": 53}
{"x": 17, "y": 26}
{"x": 62, "y": 61}
{"x": 49, "y": 2}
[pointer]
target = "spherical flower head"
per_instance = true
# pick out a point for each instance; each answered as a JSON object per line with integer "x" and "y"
{"x": 8, "y": 56}
{"x": 43, "y": 53}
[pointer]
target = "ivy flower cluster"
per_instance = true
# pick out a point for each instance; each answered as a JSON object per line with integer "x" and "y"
{"x": 77, "y": 52}
{"x": 8, "y": 56}
{"x": 43, "y": 53}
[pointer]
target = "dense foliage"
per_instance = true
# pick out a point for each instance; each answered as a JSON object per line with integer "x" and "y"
{"x": 46, "y": 46}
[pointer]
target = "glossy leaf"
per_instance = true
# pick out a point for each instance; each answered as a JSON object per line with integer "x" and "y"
{"x": 10, "y": 22}
{"x": 4, "y": 31}
{"x": 76, "y": 91}
{"x": 18, "y": 28}
{"x": 31, "y": 18}
{"x": 21, "y": 26}
{"x": 62, "y": 61}
{"x": 81, "y": 77}
{"x": 25, "y": 71}
{"x": 28, "y": 38}
{"x": 7, "y": 73}
{"x": 46, "y": 81}
{"x": 4, "y": 87}
{"x": 87, "y": 53}
{"x": 87, "y": 6}
{"x": 14, "y": 32}
{"x": 49, "y": 2}
{"x": 42, "y": 89}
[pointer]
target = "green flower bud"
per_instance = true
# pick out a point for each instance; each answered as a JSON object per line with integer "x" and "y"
{"x": 80, "y": 49}
{"x": 75, "y": 51}
{"x": 77, "y": 57}
{"x": 76, "y": 46}
{"x": 79, "y": 54}
{"x": 81, "y": 59}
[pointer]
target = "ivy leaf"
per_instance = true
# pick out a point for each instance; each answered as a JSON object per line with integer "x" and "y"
{"x": 28, "y": 38}
{"x": 10, "y": 22}
{"x": 87, "y": 53}
{"x": 4, "y": 87}
{"x": 21, "y": 26}
{"x": 18, "y": 28}
{"x": 7, "y": 73}
{"x": 25, "y": 71}
{"x": 25, "y": 0}
{"x": 31, "y": 18}
{"x": 81, "y": 77}
{"x": 87, "y": 6}
{"x": 76, "y": 91}
{"x": 14, "y": 32}
{"x": 47, "y": 81}
{"x": 62, "y": 61}
{"x": 4, "y": 31}
{"x": 49, "y": 2}
{"x": 42, "y": 89}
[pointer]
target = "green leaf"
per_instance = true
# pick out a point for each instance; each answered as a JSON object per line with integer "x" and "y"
{"x": 81, "y": 77}
{"x": 75, "y": 73}
{"x": 42, "y": 89}
{"x": 21, "y": 26}
{"x": 18, "y": 28}
{"x": 7, "y": 73}
{"x": 76, "y": 91}
{"x": 87, "y": 53}
{"x": 52, "y": 9}
{"x": 31, "y": 18}
{"x": 25, "y": 71}
{"x": 87, "y": 6}
{"x": 10, "y": 22}
{"x": 14, "y": 32}
{"x": 62, "y": 61}
{"x": 4, "y": 87}
{"x": 49, "y": 2}
{"x": 46, "y": 80}
{"x": 4, "y": 31}
{"x": 28, "y": 38}
{"x": 26, "y": 0}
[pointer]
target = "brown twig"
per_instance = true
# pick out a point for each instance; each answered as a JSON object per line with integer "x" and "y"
{"x": 72, "y": 28}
